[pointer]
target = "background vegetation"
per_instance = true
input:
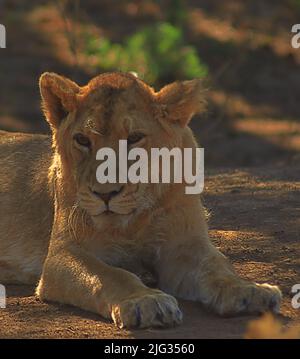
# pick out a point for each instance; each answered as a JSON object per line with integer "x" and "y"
{"x": 241, "y": 47}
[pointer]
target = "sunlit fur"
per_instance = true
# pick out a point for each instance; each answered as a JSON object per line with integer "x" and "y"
{"x": 55, "y": 230}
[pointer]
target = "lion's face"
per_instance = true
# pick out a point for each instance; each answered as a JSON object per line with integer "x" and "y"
{"x": 110, "y": 108}
{"x": 98, "y": 126}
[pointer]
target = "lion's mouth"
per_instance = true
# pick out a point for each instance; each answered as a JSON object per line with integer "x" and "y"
{"x": 119, "y": 205}
{"x": 104, "y": 212}
{"x": 108, "y": 212}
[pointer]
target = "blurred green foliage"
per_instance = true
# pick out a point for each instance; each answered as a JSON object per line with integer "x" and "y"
{"x": 177, "y": 12}
{"x": 158, "y": 53}
{"x": 296, "y": 4}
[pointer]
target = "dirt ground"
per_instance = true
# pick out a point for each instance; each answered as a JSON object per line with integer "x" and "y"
{"x": 254, "y": 220}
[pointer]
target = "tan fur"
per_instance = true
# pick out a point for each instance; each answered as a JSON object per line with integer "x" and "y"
{"x": 53, "y": 229}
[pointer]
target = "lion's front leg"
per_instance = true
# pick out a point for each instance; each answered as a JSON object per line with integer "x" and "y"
{"x": 196, "y": 270}
{"x": 75, "y": 277}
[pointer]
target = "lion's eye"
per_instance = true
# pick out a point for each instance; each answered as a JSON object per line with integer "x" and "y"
{"x": 82, "y": 140}
{"x": 135, "y": 138}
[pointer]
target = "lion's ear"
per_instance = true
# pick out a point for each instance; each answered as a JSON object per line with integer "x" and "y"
{"x": 181, "y": 100}
{"x": 58, "y": 97}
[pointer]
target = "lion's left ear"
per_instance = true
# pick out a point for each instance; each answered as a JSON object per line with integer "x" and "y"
{"x": 58, "y": 97}
{"x": 181, "y": 100}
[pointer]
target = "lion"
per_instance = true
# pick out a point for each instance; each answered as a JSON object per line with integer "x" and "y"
{"x": 123, "y": 251}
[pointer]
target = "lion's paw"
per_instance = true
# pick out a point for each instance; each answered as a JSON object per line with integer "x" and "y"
{"x": 249, "y": 298}
{"x": 153, "y": 309}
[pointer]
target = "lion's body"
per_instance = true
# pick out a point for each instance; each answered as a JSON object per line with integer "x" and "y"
{"x": 26, "y": 206}
{"x": 98, "y": 246}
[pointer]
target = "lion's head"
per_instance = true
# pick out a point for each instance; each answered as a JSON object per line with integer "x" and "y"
{"x": 111, "y": 107}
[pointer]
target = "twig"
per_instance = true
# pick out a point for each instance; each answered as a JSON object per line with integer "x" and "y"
{"x": 70, "y": 33}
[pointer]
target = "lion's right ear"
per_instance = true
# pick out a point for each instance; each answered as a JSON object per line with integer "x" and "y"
{"x": 182, "y": 100}
{"x": 58, "y": 97}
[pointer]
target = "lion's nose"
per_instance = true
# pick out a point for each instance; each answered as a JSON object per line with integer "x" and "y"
{"x": 107, "y": 196}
